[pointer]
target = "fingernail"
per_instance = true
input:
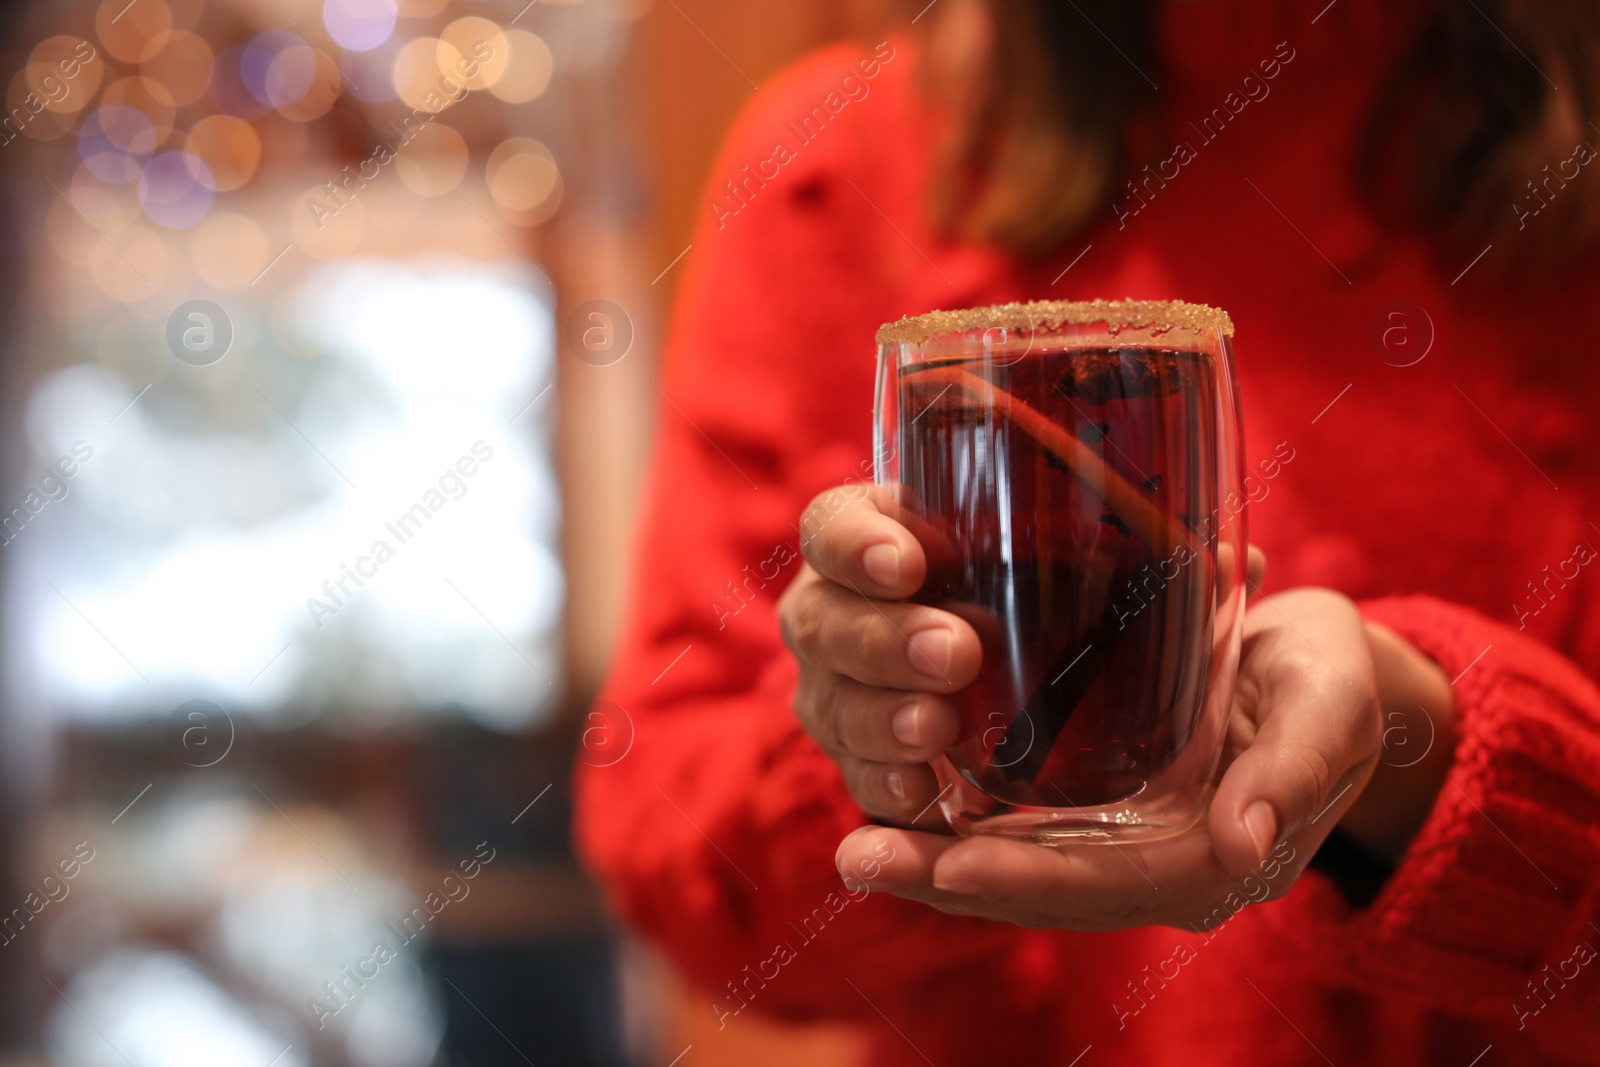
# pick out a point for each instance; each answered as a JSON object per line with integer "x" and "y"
{"x": 904, "y": 725}
{"x": 1262, "y": 826}
{"x": 960, "y": 889}
{"x": 930, "y": 653}
{"x": 882, "y": 564}
{"x": 896, "y": 783}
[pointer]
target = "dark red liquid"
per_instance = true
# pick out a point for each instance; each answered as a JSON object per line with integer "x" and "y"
{"x": 1096, "y": 625}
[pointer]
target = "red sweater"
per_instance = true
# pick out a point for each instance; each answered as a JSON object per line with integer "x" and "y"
{"x": 1433, "y": 493}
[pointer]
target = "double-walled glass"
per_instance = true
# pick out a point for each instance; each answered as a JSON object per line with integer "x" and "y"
{"x": 1073, "y": 472}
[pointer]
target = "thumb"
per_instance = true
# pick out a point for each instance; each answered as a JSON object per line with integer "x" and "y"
{"x": 1255, "y": 570}
{"x": 1305, "y": 767}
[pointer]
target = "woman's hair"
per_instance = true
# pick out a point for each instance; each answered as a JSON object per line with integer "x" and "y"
{"x": 1462, "y": 129}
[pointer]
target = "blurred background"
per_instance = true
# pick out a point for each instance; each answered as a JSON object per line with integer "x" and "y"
{"x": 332, "y": 329}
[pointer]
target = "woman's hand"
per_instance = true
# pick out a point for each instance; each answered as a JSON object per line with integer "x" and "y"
{"x": 1306, "y": 732}
{"x": 1305, "y": 735}
{"x": 873, "y": 669}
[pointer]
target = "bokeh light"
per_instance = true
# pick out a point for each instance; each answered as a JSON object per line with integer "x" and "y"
{"x": 228, "y": 146}
{"x": 28, "y": 111}
{"x": 114, "y": 141}
{"x": 481, "y": 49}
{"x": 528, "y": 68}
{"x": 524, "y": 180}
{"x": 289, "y": 75}
{"x": 359, "y": 25}
{"x": 146, "y": 95}
{"x": 255, "y": 64}
{"x": 70, "y": 62}
{"x": 132, "y": 32}
{"x": 183, "y": 66}
{"x": 177, "y": 190}
{"x": 228, "y": 90}
{"x": 228, "y": 250}
{"x": 321, "y": 84}
{"x": 420, "y": 69}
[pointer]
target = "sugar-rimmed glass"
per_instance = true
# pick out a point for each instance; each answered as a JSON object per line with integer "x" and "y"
{"x": 1073, "y": 471}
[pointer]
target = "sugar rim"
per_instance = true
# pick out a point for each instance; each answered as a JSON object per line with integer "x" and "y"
{"x": 1127, "y": 314}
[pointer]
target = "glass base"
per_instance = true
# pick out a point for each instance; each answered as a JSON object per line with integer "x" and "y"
{"x": 970, "y": 812}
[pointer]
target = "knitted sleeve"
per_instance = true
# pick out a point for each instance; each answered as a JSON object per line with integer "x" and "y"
{"x": 1493, "y": 911}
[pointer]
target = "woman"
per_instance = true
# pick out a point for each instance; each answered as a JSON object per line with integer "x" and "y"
{"x": 1402, "y": 859}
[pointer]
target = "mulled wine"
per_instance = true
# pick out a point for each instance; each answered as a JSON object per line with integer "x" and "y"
{"x": 1069, "y": 500}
